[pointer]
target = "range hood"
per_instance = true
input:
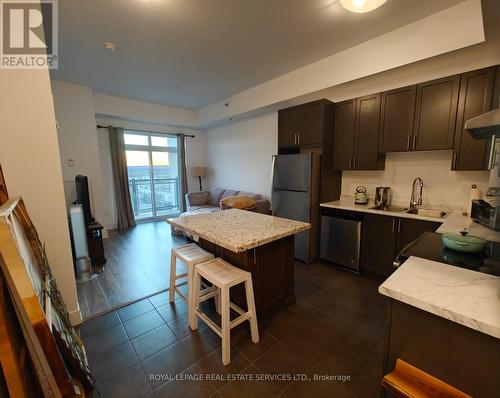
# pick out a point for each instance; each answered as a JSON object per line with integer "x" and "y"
{"x": 485, "y": 125}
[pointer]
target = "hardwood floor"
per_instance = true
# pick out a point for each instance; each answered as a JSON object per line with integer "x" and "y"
{"x": 137, "y": 267}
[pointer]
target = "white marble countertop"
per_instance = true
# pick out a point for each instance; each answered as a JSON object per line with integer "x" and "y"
{"x": 455, "y": 221}
{"x": 463, "y": 296}
{"x": 238, "y": 230}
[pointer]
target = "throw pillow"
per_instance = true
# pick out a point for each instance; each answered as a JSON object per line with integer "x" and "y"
{"x": 237, "y": 202}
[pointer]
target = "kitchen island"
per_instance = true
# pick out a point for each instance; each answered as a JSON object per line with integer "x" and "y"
{"x": 445, "y": 320}
{"x": 260, "y": 244}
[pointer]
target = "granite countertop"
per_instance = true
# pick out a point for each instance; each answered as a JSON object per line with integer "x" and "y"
{"x": 238, "y": 230}
{"x": 454, "y": 222}
{"x": 463, "y": 296}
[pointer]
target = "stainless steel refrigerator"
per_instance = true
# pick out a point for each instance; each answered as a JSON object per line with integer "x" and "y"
{"x": 295, "y": 195}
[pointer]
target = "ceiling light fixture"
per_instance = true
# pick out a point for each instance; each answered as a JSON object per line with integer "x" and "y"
{"x": 111, "y": 47}
{"x": 360, "y": 6}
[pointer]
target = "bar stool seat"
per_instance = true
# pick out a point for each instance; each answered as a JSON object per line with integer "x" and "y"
{"x": 223, "y": 276}
{"x": 190, "y": 254}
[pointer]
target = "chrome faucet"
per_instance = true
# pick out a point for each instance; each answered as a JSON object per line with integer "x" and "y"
{"x": 414, "y": 202}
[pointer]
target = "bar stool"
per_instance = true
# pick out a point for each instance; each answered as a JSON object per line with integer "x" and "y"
{"x": 224, "y": 276}
{"x": 190, "y": 254}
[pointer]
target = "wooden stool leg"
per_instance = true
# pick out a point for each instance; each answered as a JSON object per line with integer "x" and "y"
{"x": 191, "y": 291}
{"x": 254, "y": 329}
{"x": 195, "y": 299}
{"x": 217, "y": 301}
{"x": 225, "y": 326}
{"x": 173, "y": 263}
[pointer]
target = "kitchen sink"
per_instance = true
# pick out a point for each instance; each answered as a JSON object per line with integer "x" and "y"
{"x": 429, "y": 213}
{"x": 421, "y": 212}
{"x": 394, "y": 209}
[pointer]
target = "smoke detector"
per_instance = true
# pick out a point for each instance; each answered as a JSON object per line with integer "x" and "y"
{"x": 111, "y": 47}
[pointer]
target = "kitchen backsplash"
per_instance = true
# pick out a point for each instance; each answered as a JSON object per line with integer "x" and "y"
{"x": 442, "y": 186}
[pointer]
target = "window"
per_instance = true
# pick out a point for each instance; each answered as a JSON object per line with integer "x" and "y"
{"x": 153, "y": 174}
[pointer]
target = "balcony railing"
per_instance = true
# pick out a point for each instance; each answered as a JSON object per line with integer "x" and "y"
{"x": 166, "y": 196}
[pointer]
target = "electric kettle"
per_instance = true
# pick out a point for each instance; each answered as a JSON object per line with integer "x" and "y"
{"x": 360, "y": 196}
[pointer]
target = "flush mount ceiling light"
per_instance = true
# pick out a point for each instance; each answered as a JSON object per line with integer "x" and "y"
{"x": 361, "y": 6}
{"x": 111, "y": 47}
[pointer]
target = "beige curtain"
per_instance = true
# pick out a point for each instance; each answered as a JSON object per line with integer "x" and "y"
{"x": 181, "y": 146}
{"x": 124, "y": 211}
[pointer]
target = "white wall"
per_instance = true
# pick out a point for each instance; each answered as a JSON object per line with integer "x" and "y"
{"x": 75, "y": 114}
{"x": 442, "y": 186}
{"x": 239, "y": 155}
{"x": 29, "y": 154}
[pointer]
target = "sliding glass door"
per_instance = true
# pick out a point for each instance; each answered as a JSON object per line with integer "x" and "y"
{"x": 153, "y": 174}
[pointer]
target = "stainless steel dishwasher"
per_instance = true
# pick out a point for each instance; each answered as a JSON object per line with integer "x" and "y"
{"x": 341, "y": 237}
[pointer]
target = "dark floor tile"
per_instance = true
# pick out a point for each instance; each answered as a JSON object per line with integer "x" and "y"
{"x": 154, "y": 341}
{"x": 300, "y": 311}
{"x": 202, "y": 342}
{"x": 212, "y": 364}
{"x": 98, "y": 324}
{"x": 105, "y": 340}
{"x": 112, "y": 362}
{"x": 132, "y": 383}
{"x": 251, "y": 387}
{"x": 253, "y": 351}
{"x": 170, "y": 311}
{"x": 160, "y": 299}
{"x": 282, "y": 359}
{"x": 143, "y": 324}
{"x": 317, "y": 389}
{"x": 167, "y": 363}
{"x": 134, "y": 310}
{"x": 279, "y": 324}
{"x": 188, "y": 386}
{"x": 180, "y": 326}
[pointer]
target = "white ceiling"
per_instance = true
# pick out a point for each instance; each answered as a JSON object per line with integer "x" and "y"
{"x": 191, "y": 53}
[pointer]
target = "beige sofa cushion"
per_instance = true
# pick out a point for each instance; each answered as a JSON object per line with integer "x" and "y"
{"x": 237, "y": 202}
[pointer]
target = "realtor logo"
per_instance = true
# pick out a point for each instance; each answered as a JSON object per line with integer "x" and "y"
{"x": 28, "y": 34}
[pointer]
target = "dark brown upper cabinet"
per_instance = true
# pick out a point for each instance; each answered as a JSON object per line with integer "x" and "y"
{"x": 356, "y": 134}
{"x": 476, "y": 92}
{"x": 396, "y": 119}
{"x": 288, "y": 126}
{"x": 343, "y": 134}
{"x": 435, "y": 114}
{"x": 305, "y": 125}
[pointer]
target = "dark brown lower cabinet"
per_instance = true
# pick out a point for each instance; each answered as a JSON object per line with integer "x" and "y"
{"x": 378, "y": 243}
{"x": 383, "y": 237}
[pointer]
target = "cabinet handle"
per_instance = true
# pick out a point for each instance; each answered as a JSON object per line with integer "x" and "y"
{"x": 393, "y": 225}
{"x": 408, "y": 143}
{"x": 298, "y": 138}
{"x": 414, "y": 146}
{"x": 295, "y": 138}
{"x": 354, "y": 161}
{"x": 454, "y": 161}
{"x": 493, "y": 154}
{"x": 399, "y": 226}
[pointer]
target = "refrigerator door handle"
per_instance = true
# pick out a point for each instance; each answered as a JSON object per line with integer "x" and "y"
{"x": 273, "y": 163}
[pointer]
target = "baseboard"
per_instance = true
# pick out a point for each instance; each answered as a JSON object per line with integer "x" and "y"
{"x": 75, "y": 317}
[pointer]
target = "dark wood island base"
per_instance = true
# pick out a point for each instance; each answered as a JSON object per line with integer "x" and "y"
{"x": 272, "y": 269}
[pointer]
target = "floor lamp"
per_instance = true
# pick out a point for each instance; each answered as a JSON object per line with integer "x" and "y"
{"x": 199, "y": 172}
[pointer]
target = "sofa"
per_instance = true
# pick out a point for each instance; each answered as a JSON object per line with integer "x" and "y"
{"x": 209, "y": 201}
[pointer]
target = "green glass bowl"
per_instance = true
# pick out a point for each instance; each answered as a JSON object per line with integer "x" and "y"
{"x": 466, "y": 244}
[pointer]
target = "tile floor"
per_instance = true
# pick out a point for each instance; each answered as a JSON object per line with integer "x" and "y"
{"x": 336, "y": 328}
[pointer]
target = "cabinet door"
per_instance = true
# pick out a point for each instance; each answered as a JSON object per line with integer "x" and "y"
{"x": 312, "y": 124}
{"x": 435, "y": 114}
{"x": 366, "y": 156}
{"x": 378, "y": 244}
{"x": 396, "y": 119}
{"x": 343, "y": 134}
{"x": 409, "y": 229}
{"x": 288, "y": 127}
{"x": 476, "y": 90}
